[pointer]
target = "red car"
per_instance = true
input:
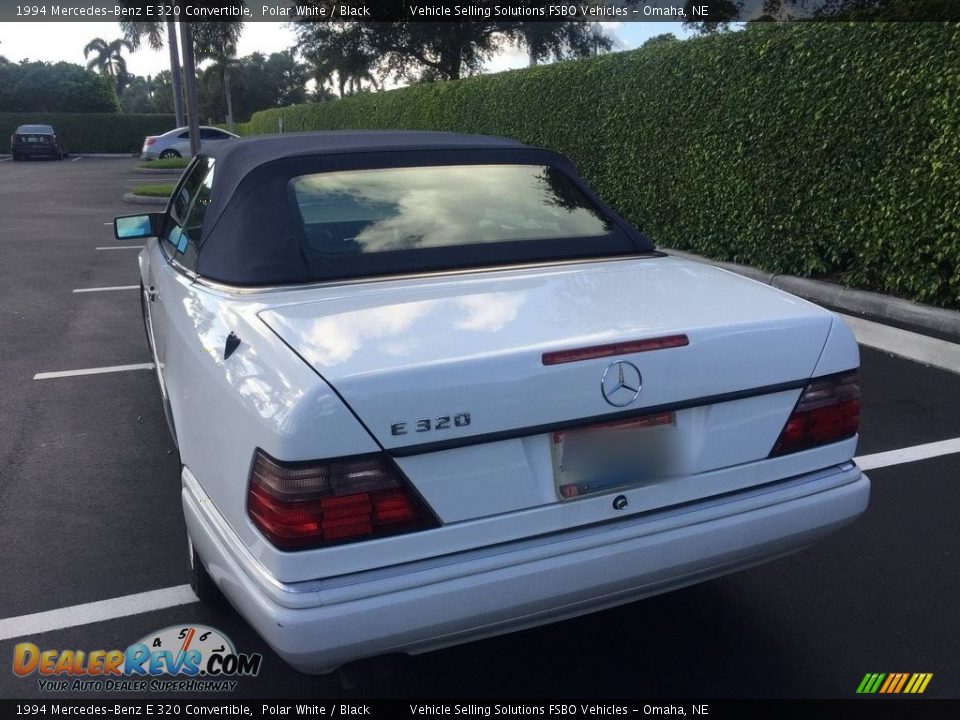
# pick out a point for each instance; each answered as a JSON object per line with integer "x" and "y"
{"x": 31, "y": 141}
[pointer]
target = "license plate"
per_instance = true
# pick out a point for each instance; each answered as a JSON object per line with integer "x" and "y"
{"x": 599, "y": 458}
{"x": 33, "y": 139}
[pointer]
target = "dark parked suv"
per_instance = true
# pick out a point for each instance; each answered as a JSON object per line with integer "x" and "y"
{"x": 35, "y": 141}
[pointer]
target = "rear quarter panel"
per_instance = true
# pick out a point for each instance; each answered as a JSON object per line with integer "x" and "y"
{"x": 261, "y": 396}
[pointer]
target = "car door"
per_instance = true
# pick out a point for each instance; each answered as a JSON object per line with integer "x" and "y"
{"x": 173, "y": 263}
{"x": 181, "y": 143}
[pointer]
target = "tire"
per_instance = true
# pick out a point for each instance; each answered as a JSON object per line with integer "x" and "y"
{"x": 16, "y": 157}
{"x": 387, "y": 674}
{"x": 203, "y": 585}
{"x": 167, "y": 410}
{"x": 143, "y": 313}
{"x": 169, "y": 153}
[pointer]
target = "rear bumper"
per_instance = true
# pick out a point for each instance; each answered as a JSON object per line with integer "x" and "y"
{"x": 317, "y": 626}
{"x": 33, "y": 150}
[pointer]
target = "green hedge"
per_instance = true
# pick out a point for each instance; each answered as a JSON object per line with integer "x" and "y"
{"x": 816, "y": 149}
{"x": 90, "y": 132}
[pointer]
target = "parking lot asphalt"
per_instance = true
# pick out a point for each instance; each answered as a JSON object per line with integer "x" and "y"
{"x": 90, "y": 511}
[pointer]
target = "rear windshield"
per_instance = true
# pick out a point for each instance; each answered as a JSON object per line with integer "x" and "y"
{"x": 409, "y": 208}
{"x": 35, "y": 129}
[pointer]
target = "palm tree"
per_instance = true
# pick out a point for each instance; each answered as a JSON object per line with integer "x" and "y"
{"x": 218, "y": 42}
{"x": 107, "y": 58}
{"x": 134, "y": 32}
{"x": 350, "y": 66}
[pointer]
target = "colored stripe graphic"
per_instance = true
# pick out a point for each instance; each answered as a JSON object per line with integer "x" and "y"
{"x": 891, "y": 679}
{"x": 899, "y": 687}
{"x": 894, "y": 683}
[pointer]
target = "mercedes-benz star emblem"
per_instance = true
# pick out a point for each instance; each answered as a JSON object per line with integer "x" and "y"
{"x": 620, "y": 383}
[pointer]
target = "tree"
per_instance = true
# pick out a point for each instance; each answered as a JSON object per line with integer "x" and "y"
{"x": 108, "y": 59}
{"x": 724, "y": 12}
{"x": 661, "y": 39}
{"x": 162, "y": 94}
{"x": 555, "y": 41}
{"x": 258, "y": 82}
{"x": 286, "y": 79}
{"x": 450, "y": 50}
{"x": 134, "y": 32}
{"x": 342, "y": 63}
{"x": 218, "y": 42}
{"x": 61, "y": 87}
{"x": 137, "y": 95}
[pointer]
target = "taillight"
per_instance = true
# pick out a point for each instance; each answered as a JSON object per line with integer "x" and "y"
{"x": 828, "y": 410}
{"x": 149, "y": 141}
{"x": 314, "y": 504}
{"x": 557, "y": 357}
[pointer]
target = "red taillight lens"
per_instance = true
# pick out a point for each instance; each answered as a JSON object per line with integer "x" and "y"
{"x": 828, "y": 410}
{"x": 149, "y": 141}
{"x": 308, "y": 505}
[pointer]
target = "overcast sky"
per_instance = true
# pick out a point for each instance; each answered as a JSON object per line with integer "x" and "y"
{"x": 54, "y": 41}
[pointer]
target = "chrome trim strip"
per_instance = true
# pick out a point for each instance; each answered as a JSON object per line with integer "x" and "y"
{"x": 255, "y": 290}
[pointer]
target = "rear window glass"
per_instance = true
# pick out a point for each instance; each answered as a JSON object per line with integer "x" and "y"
{"x": 409, "y": 208}
{"x": 36, "y": 129}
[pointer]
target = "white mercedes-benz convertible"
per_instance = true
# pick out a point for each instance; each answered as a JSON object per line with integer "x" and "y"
{"x": 428, "y": 388}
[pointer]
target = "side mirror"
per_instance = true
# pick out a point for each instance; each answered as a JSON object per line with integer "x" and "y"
{"x": 133, "y": 227}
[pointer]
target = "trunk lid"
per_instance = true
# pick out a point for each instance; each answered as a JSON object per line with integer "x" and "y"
{"x": 34, "y": 139}
{"x": 469, "y": 347}
{"x": 405, "y": 350}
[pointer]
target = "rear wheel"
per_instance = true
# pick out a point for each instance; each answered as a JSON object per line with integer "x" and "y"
{"x": 203, "y": 585}
{"x": 143, "y": 312}
{"x": 169, "y": 153}
{"x": 16, "y": 157}
{"x": 383, "y": 674}
{"x": 167, "y": 411}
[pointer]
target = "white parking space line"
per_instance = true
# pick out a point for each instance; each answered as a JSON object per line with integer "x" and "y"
{"x": 92, "y": 371}
{"x": 909, "y": 454}
{"x": 911, "y": 345}
{"x": 121, "y": 247}
{"x": 105, "y": 289}
{"x": 108, "y": 223}
{"x": 76, "y": 159}
{"x": 136, "y": 604}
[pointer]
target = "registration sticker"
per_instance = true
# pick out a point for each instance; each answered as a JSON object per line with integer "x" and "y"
{"x": 598, "y": 458}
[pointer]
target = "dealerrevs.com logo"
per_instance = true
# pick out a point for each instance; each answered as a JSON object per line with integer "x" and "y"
{"x": 191, "y": 658}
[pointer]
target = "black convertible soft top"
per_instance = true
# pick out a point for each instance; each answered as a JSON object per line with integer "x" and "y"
{"x": 252, "y": 233}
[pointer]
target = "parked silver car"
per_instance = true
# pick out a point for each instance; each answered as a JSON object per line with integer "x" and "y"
{"x": 176, "y": 143}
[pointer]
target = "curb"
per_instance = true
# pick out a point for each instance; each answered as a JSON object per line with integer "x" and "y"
{"x": 861, "y": 302}
{"x": 158, "y": 171}
{"x": 105, "y": 155}
{"x": 144, "y": 199}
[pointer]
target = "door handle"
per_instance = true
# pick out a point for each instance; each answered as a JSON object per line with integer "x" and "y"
{"x": 152, "y": 294}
